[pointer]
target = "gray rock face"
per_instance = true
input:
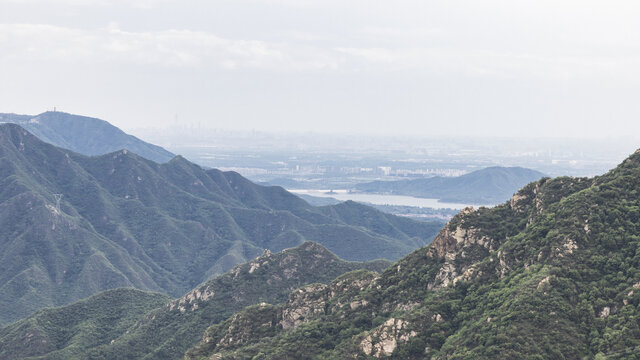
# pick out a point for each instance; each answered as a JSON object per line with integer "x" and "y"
{"x": 304, "y": 304}
{"x": 383, "y": 340}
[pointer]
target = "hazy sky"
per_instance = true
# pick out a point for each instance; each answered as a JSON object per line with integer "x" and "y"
{"x": 421, "y": 67}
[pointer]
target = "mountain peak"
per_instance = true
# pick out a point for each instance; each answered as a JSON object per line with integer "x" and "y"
{"x": 85, "y": 135}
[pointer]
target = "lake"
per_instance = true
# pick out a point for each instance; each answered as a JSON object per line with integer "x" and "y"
{"x": 379, "y": 199}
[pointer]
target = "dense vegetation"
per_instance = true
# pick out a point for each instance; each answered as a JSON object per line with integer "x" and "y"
{"x": 491, "y": 185}
{"x": 111, "y": 325}
{"x": 552, "y": 274}
{"x": 85, "y": 135}
{"x": 67, "y": 332}
{"x": 125, "y": 221}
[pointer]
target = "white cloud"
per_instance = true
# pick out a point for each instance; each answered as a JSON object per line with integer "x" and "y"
{"x": 401, "y": 34}
{"x": 498, "y": 38}
{"x": 143, "y": 4}
{"x": 330, "y": 61}
{"x": 169, "y": 48}
{"x": 484, "y": 63}
{"x": 190, "y": 48}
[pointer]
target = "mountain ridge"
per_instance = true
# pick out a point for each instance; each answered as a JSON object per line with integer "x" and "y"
{"x": 553, "y": 273}
{"x": 168, "y": 327}
{"x": 85, "y": 135}
{"x": 128, "y": 221}
{"x": 488, "y": 186}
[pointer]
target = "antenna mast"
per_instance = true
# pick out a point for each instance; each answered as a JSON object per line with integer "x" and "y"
{"x": 58, "y": 197}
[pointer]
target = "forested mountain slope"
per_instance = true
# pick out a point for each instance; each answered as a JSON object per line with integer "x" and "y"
{"x": 113, "y": 324}
{"x": 552, "y": 274}
{"x": 67, "y": 332}
{"x": 124, "y": 221}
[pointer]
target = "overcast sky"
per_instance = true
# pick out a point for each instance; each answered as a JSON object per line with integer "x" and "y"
{"x": 420, "y": 67}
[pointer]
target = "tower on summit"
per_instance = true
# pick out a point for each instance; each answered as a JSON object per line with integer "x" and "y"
{"x": 58, "y": 197}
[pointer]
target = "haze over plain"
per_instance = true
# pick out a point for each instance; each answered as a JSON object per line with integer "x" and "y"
{"x": 500, "y": 68}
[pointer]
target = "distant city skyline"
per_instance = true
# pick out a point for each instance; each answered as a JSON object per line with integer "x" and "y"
{"x": 408, "y": 67}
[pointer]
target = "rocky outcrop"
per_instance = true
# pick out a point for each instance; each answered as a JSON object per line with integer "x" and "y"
{"x": 449, "y": 241}
{"x": 528, "y": 197}
{"x": 258, "y": 320}
{"x": 275, "y": 278}
{"x": 556, "y": 263}
{"x": 383, "y": 340}
{"x": 454, "y": 244}
{"x": 304, "y": 305}
{"x": 353, "y": 282}
{"x": 192, "y": 299}
{"x": 312, "y": 301}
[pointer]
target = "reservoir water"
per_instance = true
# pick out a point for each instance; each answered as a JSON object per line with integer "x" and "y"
{"x": 381, "y": 199}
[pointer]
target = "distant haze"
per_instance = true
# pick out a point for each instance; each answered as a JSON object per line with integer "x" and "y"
{"x": 475, "y": 68}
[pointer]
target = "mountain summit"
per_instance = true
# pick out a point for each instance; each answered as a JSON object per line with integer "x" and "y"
{"x": 85, "y": 135}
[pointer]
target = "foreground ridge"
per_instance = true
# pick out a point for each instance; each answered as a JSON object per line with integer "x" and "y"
{"x": 553, "y": 273}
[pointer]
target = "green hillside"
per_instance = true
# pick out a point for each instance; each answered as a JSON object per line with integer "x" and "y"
{"x": 125, "y": 221}
{"x": 67, "y": 332}
{"x": 85, "y": 135}
{"x": 491, "y": 185}
{"x": 112, "y": 324}
{"x": 552, "y": 274}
